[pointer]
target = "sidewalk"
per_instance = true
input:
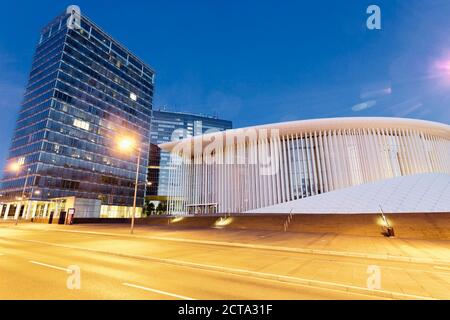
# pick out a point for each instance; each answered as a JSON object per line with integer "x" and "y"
{"x": 426, "y": 251}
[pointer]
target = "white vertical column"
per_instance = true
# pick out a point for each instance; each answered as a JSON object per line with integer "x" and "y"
{"x": 432, "y": 153}
{"x": 267, "y": 177}
{"x": 288, "y": 173}
{"x": 318, "y": 164}
{"x": 299, "y": 165}
{"x": 28, "y": 210}
{"x": 374, "y": 154}
{"x": 333, "y": 162}
{"x": 330, "y": 170}
{"x": 180, "y": 182}
{"x": 33, "y": 211}
{"x": 266, "y": 189}
{"x": 304, "y": 163}
{"x": 381, "y": 150}
{"x": 256, "y": 176}
{"x": 45, "y": 210}
{"x": 282, "y": 169}
{"x": 169, "y": 185}
{"x": 279, "y": 183}
{"x": 8, "y": 206}
{"x": 343, "y": 158}
{"x": 446, "y": 153}
{"x": 185, "y": 182}
{"x": 364, "y": 156}
{"x": 314, "y": 163}
{"x": 18, "y": 207}
{"x": 411, "y": 156}
{"x": 439, "y": 154}
{"x": 291, "y": 171}
{"x": 424, "y": 150}
{"x": 310, "y": 180}
{"x": 417, "y": 155}
{"x": 337, "y": 161}
{"x": 404, "y": 163}
{"x": 295, "y": 164}
{"x": 323, "y": 163}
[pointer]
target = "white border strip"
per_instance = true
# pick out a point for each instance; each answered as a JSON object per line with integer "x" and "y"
{"x": 157, "y": 291}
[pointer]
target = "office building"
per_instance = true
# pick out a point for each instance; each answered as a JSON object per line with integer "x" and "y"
{"x": 85, "y": 91}
{"x": 168, "y": 126}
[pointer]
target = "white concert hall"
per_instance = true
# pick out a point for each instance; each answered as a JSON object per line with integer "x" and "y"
{"x": 338, "y": 165}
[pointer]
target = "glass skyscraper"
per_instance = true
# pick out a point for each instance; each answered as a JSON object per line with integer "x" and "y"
{"x": 168, "y": 126}
{"x": 85, "y": 90}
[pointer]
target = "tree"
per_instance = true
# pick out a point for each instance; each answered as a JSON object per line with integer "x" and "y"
{"x": 149, "y": 208}
{"x": 162, "y": 207}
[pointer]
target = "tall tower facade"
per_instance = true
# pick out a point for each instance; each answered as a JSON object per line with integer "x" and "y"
{"x": 84, "y": 92}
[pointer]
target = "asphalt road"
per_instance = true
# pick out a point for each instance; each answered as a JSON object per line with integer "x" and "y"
{"x": 34, "y": 265}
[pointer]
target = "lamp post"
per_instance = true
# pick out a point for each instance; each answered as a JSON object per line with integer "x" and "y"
{"x": 138, "y": 162}
{"x": 128, "y": 144}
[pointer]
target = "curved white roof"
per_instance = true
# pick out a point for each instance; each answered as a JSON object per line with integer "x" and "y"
{"x": 301, "y": 126}
{"x": 409, "y": 194}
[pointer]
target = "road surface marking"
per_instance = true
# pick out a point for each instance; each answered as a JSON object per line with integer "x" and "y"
{"x": 49, "y": 266}
{"x": 157, "y": 291}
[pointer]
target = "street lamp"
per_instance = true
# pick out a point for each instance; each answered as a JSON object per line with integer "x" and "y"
{"x": 125, "y": 144}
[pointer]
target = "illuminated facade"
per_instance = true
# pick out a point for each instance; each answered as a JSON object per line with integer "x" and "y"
{"x": 243, "y": 170}
{"x": 169, "y": 125}
{"x": 84, "y": 90}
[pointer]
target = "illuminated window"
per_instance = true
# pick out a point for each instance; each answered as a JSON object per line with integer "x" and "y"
{"x": 133, "y": 96}
{"x": 81, "y": 124}
{"x": 21, "y": 161}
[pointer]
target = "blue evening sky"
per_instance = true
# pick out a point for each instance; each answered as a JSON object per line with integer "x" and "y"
{"x": 259, "y": 61}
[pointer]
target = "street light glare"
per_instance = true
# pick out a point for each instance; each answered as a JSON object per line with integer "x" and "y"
{"x": 15, "y": 167}
{"x": 126, "y": 144}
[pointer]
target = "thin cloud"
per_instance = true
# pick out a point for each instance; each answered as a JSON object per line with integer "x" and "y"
{"x": 364, "y": 105}
{"x": 410, "y": 110}
{"x": 376, "y": 93}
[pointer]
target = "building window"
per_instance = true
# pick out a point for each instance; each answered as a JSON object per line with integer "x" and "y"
{"x": 81, "y": 124}
{"x": 133, "y": 96}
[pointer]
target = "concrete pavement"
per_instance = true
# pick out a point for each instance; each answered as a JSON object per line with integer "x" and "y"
{"x": 412, "y": 250}
{"x": 283, "y": 274}
{"x": 33, "y": 271}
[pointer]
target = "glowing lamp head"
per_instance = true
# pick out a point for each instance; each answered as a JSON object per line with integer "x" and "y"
{"x": 14, "y": 167}
{"x": 126, "y": 144}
